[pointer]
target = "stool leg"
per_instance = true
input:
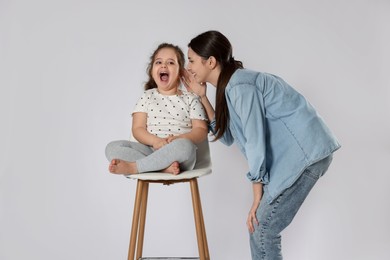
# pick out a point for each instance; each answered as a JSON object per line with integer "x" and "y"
{"x": 206, "y": 247}
{"x": 141, "y": 232}
{"x": 136, "y": 214}
{"x": 199, "y": 222}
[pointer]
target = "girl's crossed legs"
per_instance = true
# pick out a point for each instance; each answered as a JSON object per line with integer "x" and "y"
{"x": 128, "y": 157}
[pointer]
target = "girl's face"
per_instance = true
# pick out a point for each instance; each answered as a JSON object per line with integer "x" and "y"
{"x": 166, "y": 71}
{"x": 197, "y": 66}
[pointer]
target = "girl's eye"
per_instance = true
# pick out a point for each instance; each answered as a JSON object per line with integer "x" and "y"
{"x": 157, "y": 62}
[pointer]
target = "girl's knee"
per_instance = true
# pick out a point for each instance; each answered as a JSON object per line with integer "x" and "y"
{"x": 108, "y": 150}
{"x": 186, "y": 145}
{"x": 111, "y": 147}
{"x": 184, "y": 148}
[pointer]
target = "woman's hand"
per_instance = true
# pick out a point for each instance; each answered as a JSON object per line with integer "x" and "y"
{"x": 193, "y": 86}
{"x": 199, "y": 89}
{"x": 252, "y": 221}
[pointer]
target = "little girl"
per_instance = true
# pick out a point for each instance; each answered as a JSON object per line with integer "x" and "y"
{"x": 167, "y": 122}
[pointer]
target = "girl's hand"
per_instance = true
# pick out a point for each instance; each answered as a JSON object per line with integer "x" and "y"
{"x": 160, "y": 143}
{"x": 170, "y": 138}
{"x": 193, "y": 86}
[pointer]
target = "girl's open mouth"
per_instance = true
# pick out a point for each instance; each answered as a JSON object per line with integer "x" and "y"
{"x": 164, "y": 76}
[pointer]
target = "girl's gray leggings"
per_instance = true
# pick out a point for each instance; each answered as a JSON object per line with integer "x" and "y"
{"x": 149, "y": 160}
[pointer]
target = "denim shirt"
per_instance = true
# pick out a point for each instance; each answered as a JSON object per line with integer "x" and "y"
{"x": 276, "y": 129}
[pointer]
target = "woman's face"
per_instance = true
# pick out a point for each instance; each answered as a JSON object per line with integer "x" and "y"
{"x": 166, "y": 71}
{"x": 197, "y": 66}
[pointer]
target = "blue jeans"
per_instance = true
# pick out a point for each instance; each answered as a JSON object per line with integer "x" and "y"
{"x": 273, "y": 218}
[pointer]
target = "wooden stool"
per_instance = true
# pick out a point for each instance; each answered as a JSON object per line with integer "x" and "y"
{"x": 202, "y": 167}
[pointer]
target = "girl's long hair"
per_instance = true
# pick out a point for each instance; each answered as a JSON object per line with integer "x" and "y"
{"x": 214, "y": 43}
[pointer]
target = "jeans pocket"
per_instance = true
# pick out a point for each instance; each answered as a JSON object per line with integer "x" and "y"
{"x": 312, "y": 175}
{"x": 316, "y": 170}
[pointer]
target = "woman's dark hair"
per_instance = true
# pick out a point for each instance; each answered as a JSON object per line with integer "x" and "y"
{"x": 214, "y": 43}
{"x": 180, "y": 58}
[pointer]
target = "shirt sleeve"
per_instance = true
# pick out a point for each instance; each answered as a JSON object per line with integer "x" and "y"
{"x": 226, "y": 138}
{"x": 196, "y": 109}
{"x": 141, "y": 105}
{"x": 247, "y": 102}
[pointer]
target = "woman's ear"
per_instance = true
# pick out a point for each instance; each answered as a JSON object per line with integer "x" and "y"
{"x": 212, "y": 62}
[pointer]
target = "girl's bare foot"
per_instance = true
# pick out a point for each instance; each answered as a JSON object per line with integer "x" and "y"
{"x": 174, "y": 168}
{"x": 122, "y": 167}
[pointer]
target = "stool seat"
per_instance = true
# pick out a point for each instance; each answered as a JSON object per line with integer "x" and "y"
{"x": 160, "y": 176}
{"x": 202, "y": 167}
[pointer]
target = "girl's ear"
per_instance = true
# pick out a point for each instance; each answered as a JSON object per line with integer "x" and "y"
{"x": 182, "y": 73}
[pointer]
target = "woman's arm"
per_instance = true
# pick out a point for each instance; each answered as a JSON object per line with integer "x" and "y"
{"x": 207, "y": 106}
{"x": 248, "y": 106}
{"x": 200, "y": 90}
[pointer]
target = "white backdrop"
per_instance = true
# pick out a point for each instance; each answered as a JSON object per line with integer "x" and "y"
{"x": 71, "y": 72}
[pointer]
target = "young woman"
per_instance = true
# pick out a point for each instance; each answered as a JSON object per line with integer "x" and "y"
{"x": 286, "y": 143}
{"x": 167, "y": 122}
